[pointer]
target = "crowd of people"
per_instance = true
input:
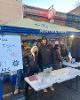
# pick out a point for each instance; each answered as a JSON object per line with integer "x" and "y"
{"x": 40, "y": 57}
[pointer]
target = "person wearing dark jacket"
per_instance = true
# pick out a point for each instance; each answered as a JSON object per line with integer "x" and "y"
{"x": 64, "y": 52}
{"x": 31, "y": 66}
{"x": 45, "y": 55}
{"x": 57, "y": 56}
{"x": 75, "y": 49}
{"x": 25, "y": 49}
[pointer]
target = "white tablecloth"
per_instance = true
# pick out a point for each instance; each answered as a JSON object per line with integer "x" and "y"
{"x": 56, "y": 76}
{"x": 69, "y": 64}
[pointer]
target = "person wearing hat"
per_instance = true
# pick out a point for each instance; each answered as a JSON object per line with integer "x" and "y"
{"x": 45, "y": 55}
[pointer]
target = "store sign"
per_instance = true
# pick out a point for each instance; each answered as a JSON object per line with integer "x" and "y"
{"x": 10, "y": 53}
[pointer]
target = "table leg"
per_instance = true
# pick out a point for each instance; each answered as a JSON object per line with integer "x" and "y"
{"x": 37, "y": 95}
{"x": 12, "y": 87}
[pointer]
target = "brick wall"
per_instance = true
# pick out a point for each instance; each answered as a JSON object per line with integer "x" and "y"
{"x": 10, "y": 10}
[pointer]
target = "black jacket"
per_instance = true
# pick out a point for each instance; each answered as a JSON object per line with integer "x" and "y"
{"x": 30, "y": 65}
{"x": 64, "y": 52}
{"x": 75, "y": 48}
{"x": 45, "y": 55}
{"x": 56, "y": 54}
{"x": 24, "y": 56}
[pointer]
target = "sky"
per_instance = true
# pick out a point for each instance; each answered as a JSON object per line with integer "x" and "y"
{"x": 59, "y": 5}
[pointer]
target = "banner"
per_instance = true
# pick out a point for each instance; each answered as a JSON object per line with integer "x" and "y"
{"x": 10, "y": 53}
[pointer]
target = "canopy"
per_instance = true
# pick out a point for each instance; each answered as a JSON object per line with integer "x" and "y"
{"x": 28, "y": 26}
{"x": 43, "y": 26}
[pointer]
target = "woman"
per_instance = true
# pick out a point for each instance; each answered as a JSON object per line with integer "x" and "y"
{"x": 31, "y": 66}
{"x": 31, "y": 62}
{"x": 64, "y": 53}
{"x": 57, "y": 56}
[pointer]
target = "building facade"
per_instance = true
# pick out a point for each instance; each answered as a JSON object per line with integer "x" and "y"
{"x": 35, "y": 13}
{"x": 73, "y": 18}
{"x": 10, "y": 10}
{"x": 67, "y": 19}
{"x": 73, "y": 21}
{"x": 75, "y": 11}
{"x": 41, "y": 14}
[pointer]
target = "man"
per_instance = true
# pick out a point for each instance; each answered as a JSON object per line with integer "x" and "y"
{"x": 45, "y": 56}
{"x": 20, "y": 71}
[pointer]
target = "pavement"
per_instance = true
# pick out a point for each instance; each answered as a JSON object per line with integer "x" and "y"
{"x": 69, "y": 90}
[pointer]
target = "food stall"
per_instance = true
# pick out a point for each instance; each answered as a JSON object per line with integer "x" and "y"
{"x": 11, "y": 33}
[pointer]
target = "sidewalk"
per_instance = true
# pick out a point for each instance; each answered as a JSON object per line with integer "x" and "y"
{"x": 62, "y": 92}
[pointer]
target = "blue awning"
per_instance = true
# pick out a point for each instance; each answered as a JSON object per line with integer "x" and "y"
{"x": 72, "y": 33}
{"x": 21, "y": 31}
{"x": 18, "y": 30}
{"x": 29, "y": 31}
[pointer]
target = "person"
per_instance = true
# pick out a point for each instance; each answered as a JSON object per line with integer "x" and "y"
{"x": 31, "y": 62}
{"x": 45, "y": 55}
{"x": 64, "y": 53}
{"x": 38, "y": 43}
{"x": 57, "y": 56}
{"x": 18, "y": 79}
{"x": 75, "y": 49}
{"x": 26, "y": 50}
{"x": 20, "y": 71}
{"x": 31, "y": 66}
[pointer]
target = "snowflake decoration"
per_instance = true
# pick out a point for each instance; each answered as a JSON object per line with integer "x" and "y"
{"x": 15, "y": 63}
